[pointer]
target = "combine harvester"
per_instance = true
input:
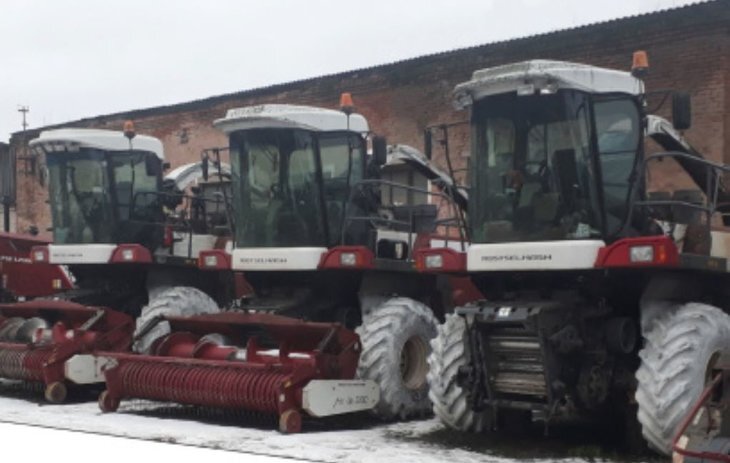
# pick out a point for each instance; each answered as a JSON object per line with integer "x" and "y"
{"x": 126, "y": 232}
{"x": 578, "y": 260}
{"x": 301, "y": 185}
{"x": 316, "y": 242}
{"x": 126, "y": 235}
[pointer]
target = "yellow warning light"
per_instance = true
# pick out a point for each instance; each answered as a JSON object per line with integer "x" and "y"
{"x": 640, "y": 65}
{"x": 346, "y": 104}
{"x": 129, "y": 131}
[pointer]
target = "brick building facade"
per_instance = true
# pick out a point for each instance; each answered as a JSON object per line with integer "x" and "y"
{"x": 689, "y": 49}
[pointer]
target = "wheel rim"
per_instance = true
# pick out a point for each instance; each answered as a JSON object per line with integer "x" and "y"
{"x": 413, "y": 363}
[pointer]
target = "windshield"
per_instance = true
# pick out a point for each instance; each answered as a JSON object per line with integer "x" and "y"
{"x": 91, "y": 193}
{"x": 533, "y": 178}
{"x": 80, "y": 203}
{"x": 281, "y": 200}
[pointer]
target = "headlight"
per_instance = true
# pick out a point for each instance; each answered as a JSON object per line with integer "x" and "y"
{"x": 434, "y": 261}
{"x": 348, "y": 259}
{"x": 504, "y": 312}
{"x": 210, "y": 261}
{"x": 128, "y": 254}
{"x": 641, "y": 253}
{"x": 39, "y": 256}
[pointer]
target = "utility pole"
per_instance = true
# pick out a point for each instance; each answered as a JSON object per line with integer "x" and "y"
{"x": 7, "y": 195}
{"x": 24, "y": 110}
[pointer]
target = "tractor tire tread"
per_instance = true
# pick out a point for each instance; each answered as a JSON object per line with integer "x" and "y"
{"x": 678, "y": 344}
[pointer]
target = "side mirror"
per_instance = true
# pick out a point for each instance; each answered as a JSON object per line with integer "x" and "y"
{"x": 204, "y": 162}
{"x": 380, "y": 150}
{"x": 427, "y": 143}
{"x": 152, "y": 165}
{"x": 681, "y": 110}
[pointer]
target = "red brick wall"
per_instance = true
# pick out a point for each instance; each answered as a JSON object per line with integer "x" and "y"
{"x": 688, "y": 50}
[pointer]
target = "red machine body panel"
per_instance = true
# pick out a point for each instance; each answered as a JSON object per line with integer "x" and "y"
{"x": 23, "y": 279}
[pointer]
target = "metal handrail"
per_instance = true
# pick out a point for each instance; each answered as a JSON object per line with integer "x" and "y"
{"x": 187, "y": 227}
{"x": 456, "y": 221}
{"x": 709, "y": 205}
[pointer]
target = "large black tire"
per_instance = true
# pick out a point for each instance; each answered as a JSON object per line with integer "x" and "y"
{"x": 680, "y": 346}
{"x": 178, "y": 301}
{"x": 395, "y": 346}
{"x": 449, "y": 351}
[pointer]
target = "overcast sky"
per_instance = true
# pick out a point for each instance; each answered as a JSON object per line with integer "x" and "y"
{"x": 68, "y": 59}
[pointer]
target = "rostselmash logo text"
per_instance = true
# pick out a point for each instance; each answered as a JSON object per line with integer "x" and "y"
{"x": 263, "y": 260}
{"x": 15, "y": 259}
{"x": 518, "y": 258}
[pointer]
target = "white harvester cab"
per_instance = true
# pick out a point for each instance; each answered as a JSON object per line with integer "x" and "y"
{"x": 126, "y": 230}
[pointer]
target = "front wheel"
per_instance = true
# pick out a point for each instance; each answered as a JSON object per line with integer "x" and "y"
{"x": 450, "y": 351}
{"x": 177, "y": 301}
{"x": 395, "y": 340}
{"x": 680, "y": 348}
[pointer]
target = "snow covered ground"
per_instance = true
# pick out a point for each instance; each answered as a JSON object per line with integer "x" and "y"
{"x": 24, "y": 440}
{"x": 356, "y": 440}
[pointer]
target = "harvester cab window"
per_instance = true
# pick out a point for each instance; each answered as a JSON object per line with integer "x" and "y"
{"x": 533, "y": 173}
{"x": 618, "y": 134}
{"x": 265, "y": 198}
{"x": 499, "y": 138}
{"x": 136, "y": 187}
{"x": 263, "y": 174}
{"x": 303, "y": 218}
{"x": 278, "y": 201}
{"x": 80, "y": 204}
{"x": 134, "y": 194}
{"x": 342, "y": 166}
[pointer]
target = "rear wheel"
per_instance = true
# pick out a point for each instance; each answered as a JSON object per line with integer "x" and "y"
{"x": 395, "y": 338}
{"x": 680, "y": 347}
{"x": 450, "y": 403}
{"x": 178, "y": 301}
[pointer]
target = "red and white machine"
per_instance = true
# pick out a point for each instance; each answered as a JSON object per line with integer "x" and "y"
{"x": 604, "y": 297}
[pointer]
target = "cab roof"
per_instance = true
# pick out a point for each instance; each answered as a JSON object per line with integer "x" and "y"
{"x": 544, "y": 75}
{"x": 290, "y": 117}
{"x": 61, "y": 140}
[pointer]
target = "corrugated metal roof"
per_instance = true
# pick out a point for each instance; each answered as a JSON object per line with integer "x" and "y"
{"x": 216, "y": 99}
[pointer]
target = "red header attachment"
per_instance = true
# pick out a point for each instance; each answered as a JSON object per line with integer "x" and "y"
{"x": 214, "y": 259}
{"x": 433, "y": 260}
{"x": 39, "y": 254}
{"x": 344, "y": 257}
{"x": 649, "y": 251}
{"x": 131, "y": 254}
